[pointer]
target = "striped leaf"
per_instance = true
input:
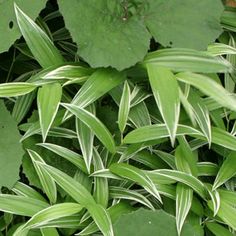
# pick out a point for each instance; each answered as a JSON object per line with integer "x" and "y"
{"x": 86, "y": 136}
{"x": 153, "y": 132}
{"x": 183, "y": 59}
{"x": 94, "y": 124}
{"x": 184, "y": 196}
{"x": 218, "y": 230}
{"x": 37, "y": 40}
{"x": 215, "y": 197}
{"x": 69, "y": 155}
{"x": 209, "y": 87}
{"x": 21, "y": 205}
{"x": 14, "y": 89}
{"x": 218, "y": 49}
{"x": 134, "y": 174}
{"x": 48, "y": 99}
{"x": 226, "y": 171}
{"x": 163, "y": 82}
{"x": 48, "y": 184}
{"x": 124, "y": 107}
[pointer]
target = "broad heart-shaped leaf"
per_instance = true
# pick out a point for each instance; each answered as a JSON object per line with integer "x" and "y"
{"x": 37, "y": 40}
{"x": 9, "y": 30}
{"x": 227, "y": 170}
{"x": 107, "y": 36}
{"x": 163, "y": 82}
{"x": 147, "y": 223}
{"x": 94, "y": 124}
{"x": 48, "y": 99}
{"x": 11, "y": 151}
{"x": 179, "y": 24}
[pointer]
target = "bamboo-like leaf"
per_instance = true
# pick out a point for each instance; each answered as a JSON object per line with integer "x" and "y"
{"x": 166, "y": 157}
{"x": 48, "y": 184}
{"x": 76, "y": 190}
{"x": 101, "y": 191}
{"x": 184, "y": 196}
{"x": 226, "y": 171}
{"x": 122, "y": 193}
{"x": 179, "y": 59}
{"x": 136, "y": 175}
{"x": 37, "y": 40}
{"x": 22, "y": 189}
{"x": 98, "y": 84}
{"x": 48, "y": 99}
{"x": 49, "y": 232}
{"x": 182, "y": 177}
{"x": 207, "y": 169}
{"x": 41, "y": 218}
{"x": 163, "y": 82}
{"x": 215, "y": 197}
{"x": 152, "y": 132}
{"x": 86, "y": 136}
{"x": 94, "y": 124}
{"x": 124, "y": 107}
{"x": 229, "y": 197}
{"x": 226, "y": 212}
{"x": 20, "y": 205}
{"x": 218, "y": 49}
{"x": 218, "y": 230}
{"x": 209, "y": 87}
{"x": 69, "y": 155}
{"x": 14, "y": 89}
{"x": 184, "y": 158}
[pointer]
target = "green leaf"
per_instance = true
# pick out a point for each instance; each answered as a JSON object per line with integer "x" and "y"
{"x": 215, "y": 197}
{"x": 146, "y": 222}
{"x": 20, "y": 205}
{"x": 41, "y": 218}
{"x": 182, "y": 59}
{"x": 11, "y": 151}
{"x": 48, "y": 184}
{"x": 37, "y": 40}
{"x": 8, "y": 26}
{"x": 108, "y": 18}
{"x": 209, "y": 87}
{"x": 226, "y": 171}
{"x": 48, "y": 99}
{"x": 94, "y": 124}
{"x": 69, "y": 155}
{"x": 184, "y": 196}
{"x": 217, "y": 229}
{"x": 226, "y": 212}
{"x": 163, "y": 82}
{"x": 124, "y": 107}
{"x": 153, "y": 132}
{"x": 136, "y": 175}
{"x": 218, "y": 49}
{"x": 14, "y": 89}
{"x": 183, "y": 26}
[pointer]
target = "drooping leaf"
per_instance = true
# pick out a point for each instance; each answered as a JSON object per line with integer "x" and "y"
{"x": 48, "y": 99}
{"x": 11, "y": 151}
{"x": 109, "y": 18}
{"x": 15, "y": 89}
{"x": 8, "y": 26}
{"x": 94, "y": 124}
{"x": 209, "y": 87}
{"x": 37, "y": 40}
{"x": 217, "y": 229}
{"x": 183, "y": 26}
{"x": 163, "y": 82}
{"x": 226, "y": 171}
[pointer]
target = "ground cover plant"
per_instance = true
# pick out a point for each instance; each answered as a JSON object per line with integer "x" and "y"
{"x": 117, "y": 117}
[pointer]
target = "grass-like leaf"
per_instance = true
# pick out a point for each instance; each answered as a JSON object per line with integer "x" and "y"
{"x": 16, "y": 89}
{"x": 48, "y": 99}
{"x": 94, "y": 124}
{"x": 37, "y": 40}
{"x": 209, "y": 87}
{"x": 218, "y": 230}
{"x": 226, "y": 171}
{"x": 136, "y": 175}
{"x": 184, "y": 196}
{"x": 124, "y": 107}
{"x": 46, "y": 180}
{"x": 163, "y": 82}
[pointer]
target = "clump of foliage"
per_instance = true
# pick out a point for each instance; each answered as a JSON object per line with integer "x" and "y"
{"x": 117, "y": 117}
